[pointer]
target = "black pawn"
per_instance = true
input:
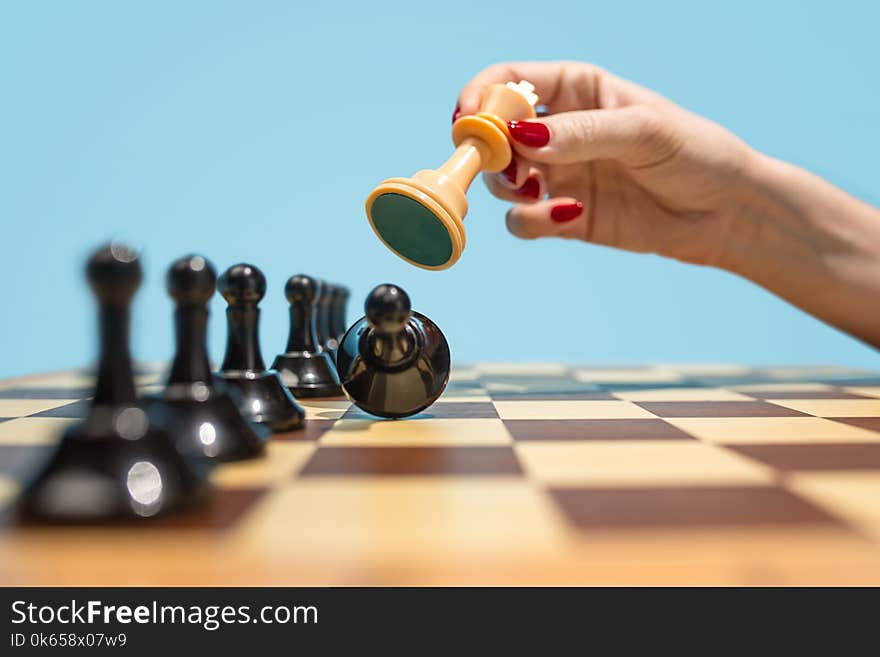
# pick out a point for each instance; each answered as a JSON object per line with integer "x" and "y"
{"x": 121, "y": 461}
{"x": 209, "y": 417}
{"x": 338, "y": 305}
{"x": 394, "y": 362}
{"x": 306, "y": 368}
{"x": 322, "y": 317}
{"x": 264, "y": 398}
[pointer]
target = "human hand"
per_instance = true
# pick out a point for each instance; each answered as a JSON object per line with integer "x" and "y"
{"x": 622, "y": 166}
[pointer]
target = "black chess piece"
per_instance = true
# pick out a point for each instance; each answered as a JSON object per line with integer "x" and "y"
{"x": 338, "y": 303}
{"x": 121, "y": 461}
{"x": 207, "y": 411}
{"x": 393, "y": 362}
{"x": 264, "y": 398}
{"x": 323, "y": 309}
{"x": 306, "y": 368}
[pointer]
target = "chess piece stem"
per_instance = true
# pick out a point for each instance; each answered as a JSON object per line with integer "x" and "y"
{"x": 303, "y": 328}
{"x": 115, "y": 383}
{"x": 243, "y": 351}
{"x": 191, "y": 363}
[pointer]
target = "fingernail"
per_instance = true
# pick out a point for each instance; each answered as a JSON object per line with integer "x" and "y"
{"x": 530, "y": 188}
{"x": 529, "y": 133}
{"x": 456, "y": 113}
{"x": 566, "y": 212}
{"x": 510, "y": 172}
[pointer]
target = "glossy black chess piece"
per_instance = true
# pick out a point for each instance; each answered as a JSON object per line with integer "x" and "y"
{"x": 263, "y": 397}
{"x": 207, "y": 411}
{"x": 306, "y": 367}
{"x": 393, "y": 362}
{"x": 121, "y": 461}
{"x": 338, "y": 304}
{"x": 323, "y": 309}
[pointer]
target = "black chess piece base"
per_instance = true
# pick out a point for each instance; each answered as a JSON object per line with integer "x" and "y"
{"x": 308, "y": 374}
{"x": 119, "y": 463}
{"x": 208, "y": 422}
{"x": 265, "y": 399}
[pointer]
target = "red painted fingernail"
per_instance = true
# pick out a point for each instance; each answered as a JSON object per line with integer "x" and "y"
{"x": 456, "y": 113}
{"x": 530, "y": 188}
{"x": 529, "y": 133}
{"x": 566, "y": 212}
{"x": 510, "y": 172}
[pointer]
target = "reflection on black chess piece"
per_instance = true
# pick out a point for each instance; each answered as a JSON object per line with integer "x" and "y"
{"x": 264, "y": 398}
{"x": 322, "y": 316}
{"x": 209, "y": 419}
{"x": 121, "y": 461}
{"x": 394, "y": 362}
{"x": 338, "y": 303}
{"x": 306, "y": 367}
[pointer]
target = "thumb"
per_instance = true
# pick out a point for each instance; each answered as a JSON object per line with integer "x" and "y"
{"x": 636, "y": 135}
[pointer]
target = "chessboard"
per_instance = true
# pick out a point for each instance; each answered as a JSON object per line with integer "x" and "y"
{"x": 520, "y": 475}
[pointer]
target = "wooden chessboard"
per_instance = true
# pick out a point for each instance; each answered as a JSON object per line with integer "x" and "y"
{"x": 520, "y": 474}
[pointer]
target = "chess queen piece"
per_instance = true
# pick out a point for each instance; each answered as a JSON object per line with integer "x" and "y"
{"x": 306, "y": 367}
{"x": 121, "y": 462}
{"x": 421, "y": 219}
{"x": 393, "y": 362}
{"x": 206, "y": 411}
{"x": 263, "y": 398}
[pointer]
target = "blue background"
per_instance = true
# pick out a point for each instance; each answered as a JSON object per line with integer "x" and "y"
{"x": 253, "y": 131}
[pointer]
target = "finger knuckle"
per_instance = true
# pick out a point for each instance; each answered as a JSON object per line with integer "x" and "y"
{"x": 584, "y": 130}
{"x": 654, "y": 137}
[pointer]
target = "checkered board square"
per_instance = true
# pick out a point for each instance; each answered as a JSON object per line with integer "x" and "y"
{"x": 540, "y": 473}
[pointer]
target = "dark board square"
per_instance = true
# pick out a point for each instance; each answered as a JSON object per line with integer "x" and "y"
{"x": 551, "y": 396}
{"x": 629, "y": 386}
{"x": 625, "y": 429}
{"x": 802, "y": 394}
{"x": 871, "y": 423}
{"x": 55, "y": 392}
{"x": 814, "y": 456}
{"x": 851, "y": 382}
{"x": 373, "y": 461}
{"x": 78, "y": 410}
{"x": 596, "y": 508}
{"x": 440, "y": 410}
{"x": 718, "y": 409}
{"x": 539, "y": 388}
{"x": 722, "y": 381}
{"x": 312, "y": 430}
{"x": 469, "y": 386}
{"x": 535, "y": 380}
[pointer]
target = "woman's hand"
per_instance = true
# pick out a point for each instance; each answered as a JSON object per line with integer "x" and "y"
{"x": 622, "y": 166}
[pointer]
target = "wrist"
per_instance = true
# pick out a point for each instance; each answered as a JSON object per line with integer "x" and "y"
{"x": 811, "y": 244}
{"x": 787, "y": 219}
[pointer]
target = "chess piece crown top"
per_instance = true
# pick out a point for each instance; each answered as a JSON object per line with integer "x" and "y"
{"x": 387, "y": 309}
{"x": 302, "y": 288}
{"x": 242, "y": 283}
{"x": 114, "y": 274}
{"x": 191, "y": 280}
